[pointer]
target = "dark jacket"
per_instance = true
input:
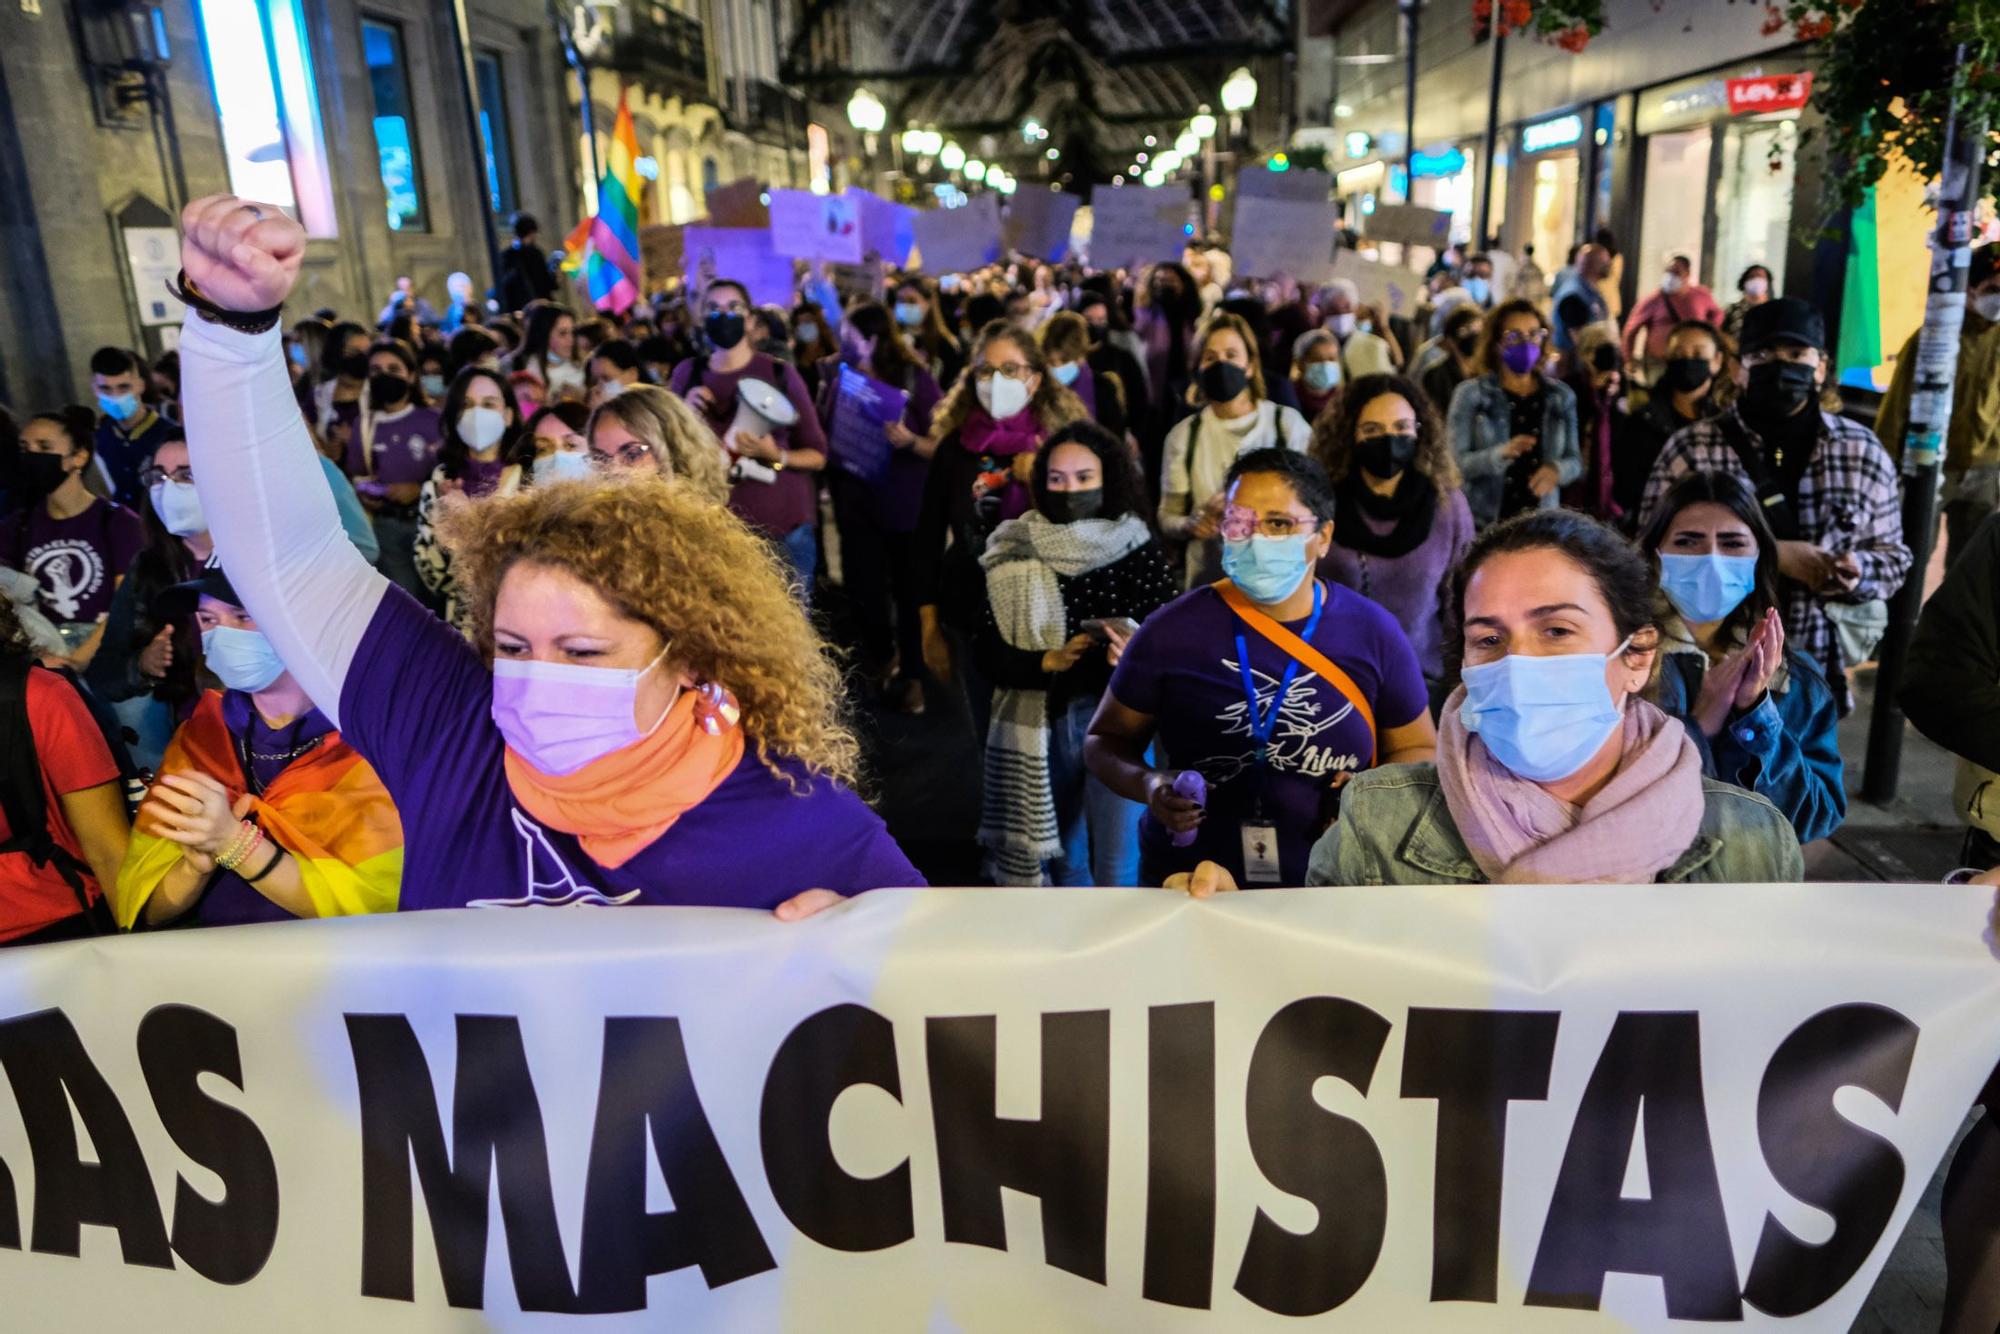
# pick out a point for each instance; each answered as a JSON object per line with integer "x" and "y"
{"x": 130, "y": 624}
{"x": 1786, "y": 748}
{"x": 951, "y": 579}
{"x": 524, "y": 275}
{"x": 1637, "y": 437}
{"x": 1135, "y": 585}
{"x": 1951, "y": 683}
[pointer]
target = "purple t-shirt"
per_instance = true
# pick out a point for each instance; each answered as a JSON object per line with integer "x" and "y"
{"x": 404, "y": 447}
{"x": 775, "y": 507}
{"x": 75, "y": 561}
{"x": 416, "y": 705}
{"x": 1415, "y": 586}
{"x": 1181, "y": 668}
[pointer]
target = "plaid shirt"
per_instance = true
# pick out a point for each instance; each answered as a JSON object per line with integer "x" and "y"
{"x": 1849, "y": 500}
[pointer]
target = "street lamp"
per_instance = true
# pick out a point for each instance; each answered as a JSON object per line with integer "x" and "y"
{"x": 866, "y": 113}
{"x": 1239, "y": 92}
{"x": 975, "y": 170}
{"x": 1202, "y": 124}
{"x": 1187, "y": 144}
{"x": 951, "y": 157}
{"x": 913, "y": 142}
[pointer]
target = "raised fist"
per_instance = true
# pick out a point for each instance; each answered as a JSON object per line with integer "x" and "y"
{"x": 241, "y": 255}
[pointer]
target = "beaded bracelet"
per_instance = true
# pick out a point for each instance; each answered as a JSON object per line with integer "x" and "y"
{"x": 248, "y": 838}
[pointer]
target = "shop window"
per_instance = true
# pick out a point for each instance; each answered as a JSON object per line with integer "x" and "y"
{"x": 494, "y": 135}
{"x": 1676, "y": 202}
{"x": 395, "y": 129}
{"x": 267, "y": 103}
{"x": 710, "y": 177}
{"x": 1753, "y": 199}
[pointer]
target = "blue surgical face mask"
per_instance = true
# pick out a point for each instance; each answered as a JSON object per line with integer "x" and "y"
{"x": 1267, "y": 569}
{"x": 808, "y": 334}
{"x": 561, "y": 466}
{"x": 241, "y": 659}
{"x": 1322, "y": 376}
{"x": 909, "y": 314}
{"x": 1707, "y": 588}
{"x": 119, "y": 407}
{"x": 1542, "y": 717}
{"x": 1067, "y": 372}
{"x": 1479, "y": 290}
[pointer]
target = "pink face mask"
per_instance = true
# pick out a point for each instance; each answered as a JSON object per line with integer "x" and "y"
{"x": 560, "y": 716}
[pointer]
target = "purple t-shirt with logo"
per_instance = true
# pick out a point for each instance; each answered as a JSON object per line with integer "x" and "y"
{"x": 404, "y": 447}
{"x": 75, "y": 561}
{"x": 1181, "y": 668}
{"x": 416, "y": 705}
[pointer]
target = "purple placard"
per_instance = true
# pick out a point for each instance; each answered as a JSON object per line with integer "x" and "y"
{"x": 862, "y": 412}
{"x": 740, "y": 253}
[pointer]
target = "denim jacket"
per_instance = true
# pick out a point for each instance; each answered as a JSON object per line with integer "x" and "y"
{"x": 1785, "y": 747}
{"x": 1480, "y": 427}
{"x": 1395, "y": 829}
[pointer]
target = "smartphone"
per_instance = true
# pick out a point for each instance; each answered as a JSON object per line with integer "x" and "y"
{"x": 1099, "y": 628}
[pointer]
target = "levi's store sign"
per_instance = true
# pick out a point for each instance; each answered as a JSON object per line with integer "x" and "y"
{"x": 1769, "y": 92}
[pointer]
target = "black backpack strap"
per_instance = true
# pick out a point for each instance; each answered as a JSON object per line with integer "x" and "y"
{"x": 1780, "y": 505}
{"x": 21, "y": 797}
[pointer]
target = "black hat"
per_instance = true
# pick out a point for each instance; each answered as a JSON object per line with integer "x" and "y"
{"x": 180, "y": 601}
{"x": 1784, "y": 319}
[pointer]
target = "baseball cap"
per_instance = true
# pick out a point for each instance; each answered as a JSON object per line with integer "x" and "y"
{"x": 180, "y": 600}
{"x": 1784, "y": 319}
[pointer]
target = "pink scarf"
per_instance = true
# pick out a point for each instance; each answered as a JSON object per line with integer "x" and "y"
{"x": 1018, "y": 434}
{"x": 1637, "y": 827}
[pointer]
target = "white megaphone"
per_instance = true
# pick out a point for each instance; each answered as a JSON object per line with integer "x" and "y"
{"x": 760, "y": 409}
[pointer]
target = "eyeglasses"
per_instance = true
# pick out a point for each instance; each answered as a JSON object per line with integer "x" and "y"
{"x": 1239, "y": 523}
{"x": 152, "y": 477}
{"x": 1012, "y": 370}
{"x": 1516, "y": 337}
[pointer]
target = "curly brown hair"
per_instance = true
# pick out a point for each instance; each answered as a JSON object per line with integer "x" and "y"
{"x": 1054, "y": 406}
{"x": 677, "y": 435}
{"x": 1334, "y": 432}
{"x": 664, "y": 555}
{"x": 15, "y": 643}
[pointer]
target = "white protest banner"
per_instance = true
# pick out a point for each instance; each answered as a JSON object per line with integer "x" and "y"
{"x": 739, "y": 253}
{"x": 1409, "y": 224}
{"x": 1451, "y": 1108}
{"x": 809, "y": 226}
{"x": 1038, "y": 223}
{"x": 956, "y": 240}
{"x": 1387, "y": 288}
{"x": 1294, "y": 237}
{"x": 1132, "y": 225}
{"x": 885, "y": 226}
{"x": 1299, "y": 184}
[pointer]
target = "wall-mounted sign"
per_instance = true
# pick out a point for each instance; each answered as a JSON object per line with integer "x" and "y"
{"x": 1444, "y": 160}
{"x": 1769, "y": 92}
{"x": 1559, "y": 132}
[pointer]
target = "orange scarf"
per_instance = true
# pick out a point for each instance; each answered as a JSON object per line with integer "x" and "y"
{"x": 618, "y": 805}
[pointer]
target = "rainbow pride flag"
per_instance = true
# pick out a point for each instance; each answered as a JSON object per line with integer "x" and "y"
{"x": 611, "y": 269}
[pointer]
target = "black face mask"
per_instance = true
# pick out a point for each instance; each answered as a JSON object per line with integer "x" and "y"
{"x": 353, "y": 367}
{"x": 386, "y": 390}
{"x": 1468, "y": 342}
{"x": 1686, "y": 374}
{"x": 1779, "y": 388}
{"x": 1096, "y": 334}
{"x": 1222, "y": 381}
{"x": 1070, "y": 506}
{"x": 724, "y": 329}
{"x": 40, "y": 474}
{"x": 1386, "y": 455}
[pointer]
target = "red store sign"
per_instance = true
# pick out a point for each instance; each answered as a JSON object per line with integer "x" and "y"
{"x": 1769, "y": 92}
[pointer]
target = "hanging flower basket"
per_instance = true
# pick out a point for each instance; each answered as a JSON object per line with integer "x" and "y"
{"x": 1569, "y": 24}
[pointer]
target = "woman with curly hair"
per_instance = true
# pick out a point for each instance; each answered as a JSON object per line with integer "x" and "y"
{"x": 642, "y": 714}
{"x": 988, "y": 430}
{"x": 648, "y": 430}
{"x": 1400, "y": 520}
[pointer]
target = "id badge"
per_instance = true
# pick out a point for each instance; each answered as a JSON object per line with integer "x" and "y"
{"x": 1260, "y": 855}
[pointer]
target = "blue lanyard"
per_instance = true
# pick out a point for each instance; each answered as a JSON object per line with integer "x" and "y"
{"x": 1264, "y": 724}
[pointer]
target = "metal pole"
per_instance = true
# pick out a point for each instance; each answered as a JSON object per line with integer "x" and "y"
{"x": 1484, "y": 227}
{"x": 1923, "y": 440}
{"x": 461, "y": 32}
{"x": 1411, "y": 9}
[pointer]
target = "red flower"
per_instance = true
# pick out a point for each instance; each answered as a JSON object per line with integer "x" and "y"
{"x": 1482, "y": 10}
{"x": 1574, "y": 39}
{"x": 1517, "y": 13}
{"x": 1812, "y": 29}
{"x": 1774, "y": 22}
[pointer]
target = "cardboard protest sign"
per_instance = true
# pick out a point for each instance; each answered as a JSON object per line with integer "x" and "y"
{"x": 954, "y": 240}
{"x": 1291, "y": 233}
{"x": 885, "y": 226}
{"x": 1038, "y": 223}
{"x": 1409, "y": 224}
{"x": 809, "y": 226}
{"x": 1389, "y": 289}
{"x": 1297, "y": 184}
{"x": 740, "y": 253}
{"x": 1132, "y": 225}
{"x": 738, "y": 204}
{"x": 863, "y": 408}
{"x": 660, "y": 254}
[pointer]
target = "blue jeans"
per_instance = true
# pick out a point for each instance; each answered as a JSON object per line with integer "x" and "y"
{"x": 802, "y": 550}
{"x": 1100, "y": 829}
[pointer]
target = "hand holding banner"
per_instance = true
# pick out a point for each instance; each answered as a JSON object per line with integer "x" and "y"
{"x": 863, "y": 408}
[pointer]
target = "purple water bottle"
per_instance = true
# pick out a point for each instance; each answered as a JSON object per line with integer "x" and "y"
{"x": 1189, "y": 784}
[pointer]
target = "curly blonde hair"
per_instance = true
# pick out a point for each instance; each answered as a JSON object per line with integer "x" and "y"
{"x": 679, "y": 437}
{"x": 1053, "y": 405}
{"x": 664, "y": 555}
